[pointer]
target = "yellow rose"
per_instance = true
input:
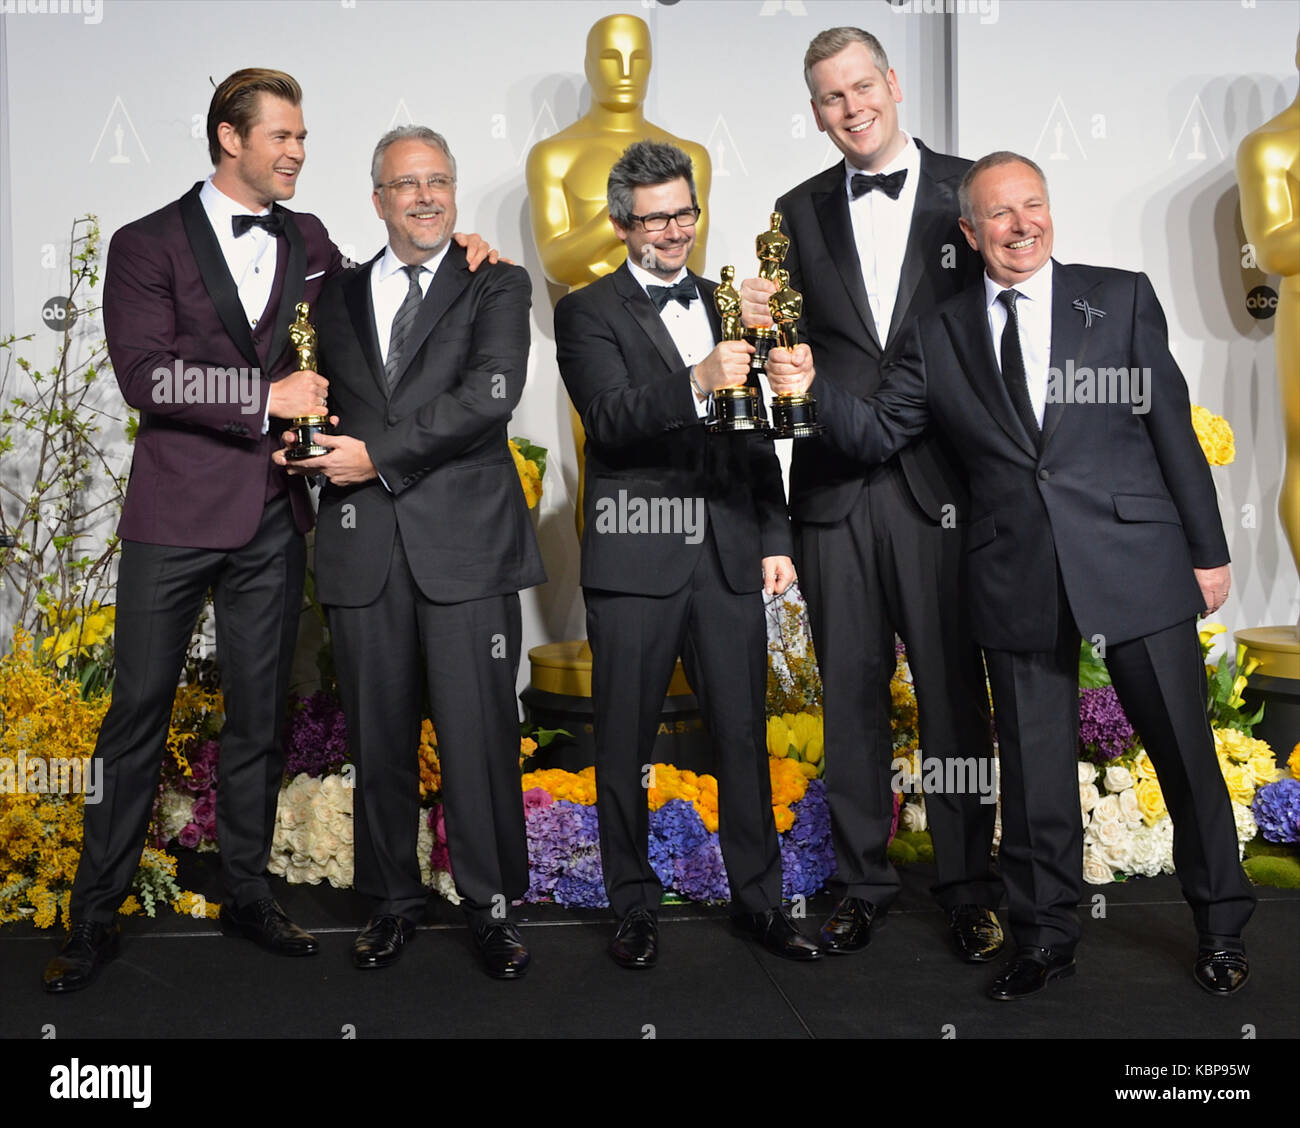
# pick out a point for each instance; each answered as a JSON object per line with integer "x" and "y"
{"x": 1150, "y": 799}
{"x": 1293, "y": 762}
{"x": 1241, "y": 783}
{"x": 1143, "y": 768}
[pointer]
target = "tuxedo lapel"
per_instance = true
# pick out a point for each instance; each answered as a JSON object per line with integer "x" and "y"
{"x": 448, "y": 284}
{"x": 641, "y": 309}
{"x": 1070, "y": 339}
{"x": 291, "y": 294}
{"x": 216, "y": 274}
{"x": 931, "y": 219}
{"x": 832, "y": 210}
{"x": 361, "y": 312}
{"x": 973, "y": 343}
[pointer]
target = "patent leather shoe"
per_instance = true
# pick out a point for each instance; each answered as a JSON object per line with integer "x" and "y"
{"x": 1219, "y": 972}
{"x": 1029, "y": 971}
{"x": 89, "y": 946}
{"x": 636, "y": 943}
{"x": 266, "y": 924}
{"x": 850, "y": 926}
{"x": 777, "y": 933}
{"x": 382, "y": 941}
{"x": 501, "y": 950}
{"x": 976, "y": 932}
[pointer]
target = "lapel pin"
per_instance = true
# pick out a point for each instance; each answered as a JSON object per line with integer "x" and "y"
{"x": 1089, "y": 312}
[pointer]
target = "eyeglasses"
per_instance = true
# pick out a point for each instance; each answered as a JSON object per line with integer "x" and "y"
{"x": 658, "y": 222}
{"x": 409, "y": 185}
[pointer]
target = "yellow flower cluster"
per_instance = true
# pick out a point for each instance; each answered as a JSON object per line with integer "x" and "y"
{"x": 579, "y": 787}
{"x": 1293, "y": 762}
{"x": 430, "y": 768}
{"x": 76, "y": 631}
{"x": 530, "y": 477}
{"x": 902, "y": 709}
{"x": 1215, "y": 436}
{"x": 701, "y": 791}
{"x": 797, "y": 737}
{"x": 197, "y": 714}
{"x": 1246, "y": 764}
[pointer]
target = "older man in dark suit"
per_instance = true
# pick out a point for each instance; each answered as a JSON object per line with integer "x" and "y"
{"x": 874, "y": 243}
{"x": 1093, "y": 514}
{"x": 639, "y": 353}
{"x": 422, "y": 546}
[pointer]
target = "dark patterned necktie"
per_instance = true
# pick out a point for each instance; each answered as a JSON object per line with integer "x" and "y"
{"x": 402, "y": 321}
{"x": 1013, "y": 366}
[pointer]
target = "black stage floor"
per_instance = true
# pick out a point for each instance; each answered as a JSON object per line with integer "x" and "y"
{"x": 180, "y": 978}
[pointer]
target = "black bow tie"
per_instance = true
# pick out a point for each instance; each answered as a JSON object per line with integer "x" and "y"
{"x": 273, "y": 222}
{"x": 683, "y": 291}
{"x": 891, "y": 184}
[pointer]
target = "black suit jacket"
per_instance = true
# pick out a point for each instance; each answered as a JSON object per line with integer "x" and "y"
{"x": 848, "y": 347}
{"x": 645, "y": 443}
{"x": 1121, "y": 502}
{"x": 439, "y": 440}
{"x": 200, "y": 470}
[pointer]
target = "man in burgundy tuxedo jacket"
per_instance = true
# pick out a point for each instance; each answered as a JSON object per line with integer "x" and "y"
{"x": 197, "y": 305}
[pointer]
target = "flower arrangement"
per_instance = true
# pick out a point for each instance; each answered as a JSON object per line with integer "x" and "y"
{"x": 530, "y": 462}
{"x": 313, "y": 832}
{"x": 1215, "y": 436}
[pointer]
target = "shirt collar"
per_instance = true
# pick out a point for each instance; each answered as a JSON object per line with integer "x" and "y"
{"x": 1037, "y": 287}
{"x": 390, "y": 264}
{"x": 219, "y": 206}
{"x": 909, "y": 158}
{"x": 644, "y": 278}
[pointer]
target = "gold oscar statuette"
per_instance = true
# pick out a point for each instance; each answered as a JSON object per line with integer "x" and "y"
{"x": 794, "y": 416}
{"x": 305, "y": 427}
{"x": 738, "y": 408}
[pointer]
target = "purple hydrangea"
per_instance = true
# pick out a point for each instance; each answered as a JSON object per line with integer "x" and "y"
{"x": 700, "y": 874}
{"x": 315, "y": 735}
{"x": 1104, "y": 731}
{"x": 564, "y": 854}
{"x": 807, "y": 851}
{"x": 1277, "y": 810}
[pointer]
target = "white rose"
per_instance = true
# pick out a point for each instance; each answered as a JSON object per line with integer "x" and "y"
{"x": 1095, "y": 871}
{"x": 1089, "y": 796}
{"x": 1118, "y": 778}
{"x": 1108, "y": 834}
{"x": 1246, "y": 826}
{"x": 1128, "y": 806}
{"x": 1144, "y": 859}
{"x": 911, "y": 817}
{"x": 1106, "y": 810}
{"x": 1087, "y": 773}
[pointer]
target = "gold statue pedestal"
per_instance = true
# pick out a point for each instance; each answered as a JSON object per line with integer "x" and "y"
{"x": 559, "y": 696}
{"x": 1275, "y": 685}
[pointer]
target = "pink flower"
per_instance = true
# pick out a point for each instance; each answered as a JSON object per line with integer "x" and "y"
{"x": 190, "y": 836}
{"x": 536, "y": 799}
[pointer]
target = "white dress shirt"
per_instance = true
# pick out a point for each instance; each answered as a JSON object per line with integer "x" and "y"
{"x": 389, "y": 284}
{"x": 687, "y": 325}
{"x": 251, "y": 257}
{"x": 1034, "y": 312}
{"x": 880, "y": 231}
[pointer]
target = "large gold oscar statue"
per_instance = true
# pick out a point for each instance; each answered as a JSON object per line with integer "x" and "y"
{"x": 1268, "y": 173}
{"x": 568, "y": 177}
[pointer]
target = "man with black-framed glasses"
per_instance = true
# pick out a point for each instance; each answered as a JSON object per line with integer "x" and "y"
{"x": 683, "y": 531}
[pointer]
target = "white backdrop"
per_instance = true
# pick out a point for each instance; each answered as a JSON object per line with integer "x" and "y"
{"x": 498, "y": 75}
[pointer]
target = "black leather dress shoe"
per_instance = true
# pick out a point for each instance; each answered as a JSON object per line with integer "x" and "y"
{"x": 382, "y": 941}
{"x": 976, "y": 932}
{"x": 849, "y": 927}
{"x": 89, "y": 946}
{"x": 1219, "y": 972}
{"x": 265, "y": 923}
{"x": 636, "y": 943}
{"x": 777, "y": 933}
{"x": 501, "y": 949}
{"x": 1029, "y": 971}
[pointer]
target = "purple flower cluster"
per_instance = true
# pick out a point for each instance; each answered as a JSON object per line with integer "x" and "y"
{"x": 685, "y": 856}
{"x": 315, "y": 735}
{"x": 1277, "y": 810}
{"x": 807, "y": 852}
{"x": 564, "y": 855}
{"x": 1104, "y": 731}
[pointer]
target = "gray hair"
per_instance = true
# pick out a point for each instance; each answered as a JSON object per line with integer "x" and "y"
{"x": 408, "y": 133}
{"x": 993, "y": 160}
{"x": 832, "y": 41}
{"x": 643, "y": 165}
